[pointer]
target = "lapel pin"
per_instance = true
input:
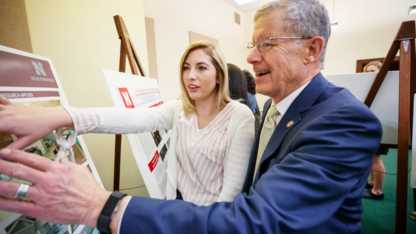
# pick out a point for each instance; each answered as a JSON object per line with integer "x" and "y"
{"x": 289, "y": 124}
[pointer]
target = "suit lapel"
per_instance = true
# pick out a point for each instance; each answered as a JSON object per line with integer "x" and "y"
{"x": 301, "y": 104}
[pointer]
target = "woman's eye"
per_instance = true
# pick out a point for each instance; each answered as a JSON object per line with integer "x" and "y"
{"x": 202, "y": 68}
{"x": 185, "y": 68}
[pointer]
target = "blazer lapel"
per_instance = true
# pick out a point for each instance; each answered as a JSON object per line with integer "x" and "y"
{"x": 302, "y": 103}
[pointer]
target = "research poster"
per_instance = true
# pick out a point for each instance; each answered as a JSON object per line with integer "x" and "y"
{"x": 150, "y": 148}
{"x": 386, "y": 103}
{"x": 31, "y": 80}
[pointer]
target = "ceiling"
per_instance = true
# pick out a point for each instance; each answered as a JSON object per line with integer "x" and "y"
{"x": 249, "y": 6}
{"x": 252, "y": 5}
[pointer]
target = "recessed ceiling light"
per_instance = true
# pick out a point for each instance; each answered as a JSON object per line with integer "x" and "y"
{"x": 242, "y": 2}
{"x": 412, "y": 9}
{"x": 334, "y": 25}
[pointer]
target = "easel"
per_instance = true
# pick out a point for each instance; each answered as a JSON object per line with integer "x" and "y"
{"x": 405, "y": 41}
{"x": 126, "y": 49}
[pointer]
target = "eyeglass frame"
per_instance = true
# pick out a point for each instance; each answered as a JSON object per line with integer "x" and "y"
{"x": 272, "y": 38}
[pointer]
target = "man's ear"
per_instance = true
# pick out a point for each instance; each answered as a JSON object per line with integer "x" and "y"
{"x": 315, "y": 46}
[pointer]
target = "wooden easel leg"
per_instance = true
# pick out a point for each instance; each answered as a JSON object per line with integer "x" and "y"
{"x": 404, "y": 127}
{"x": 126, "y": 50}
{"x": 117, "y": 154}
{"x": 117, "y": 160}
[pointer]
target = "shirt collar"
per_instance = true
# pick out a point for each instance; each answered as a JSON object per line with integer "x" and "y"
{"x": 284, "y": 104}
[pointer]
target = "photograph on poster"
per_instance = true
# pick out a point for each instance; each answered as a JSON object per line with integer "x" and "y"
{"x": 163, "y": 152}
{"x": 27, "y": 225}
{"x": 156, "y": 137}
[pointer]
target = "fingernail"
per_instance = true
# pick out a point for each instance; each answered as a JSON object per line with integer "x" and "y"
{"x": 5, "y": 151}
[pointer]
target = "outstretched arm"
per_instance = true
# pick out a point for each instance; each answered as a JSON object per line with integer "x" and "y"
{"x": 30, "y": 123}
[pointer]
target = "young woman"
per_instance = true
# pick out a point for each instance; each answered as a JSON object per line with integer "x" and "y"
{"x": 211, "y": 139}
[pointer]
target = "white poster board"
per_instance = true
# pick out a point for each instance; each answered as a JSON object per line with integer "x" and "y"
{"x": 386, "y": 103}
{"x": 28, "y": 79}
{"x": 149, "y": 149}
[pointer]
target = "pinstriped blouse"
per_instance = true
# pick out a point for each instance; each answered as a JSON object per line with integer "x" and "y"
{"x": 201, "y": 154}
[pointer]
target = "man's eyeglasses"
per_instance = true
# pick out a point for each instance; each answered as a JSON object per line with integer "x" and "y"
{"x": 265, "y": 43}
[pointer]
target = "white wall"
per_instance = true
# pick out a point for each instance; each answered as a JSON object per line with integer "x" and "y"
{"x": 366, "y": 30}
{"x": 81, "y": 38}
{"x": 173, "y": 21}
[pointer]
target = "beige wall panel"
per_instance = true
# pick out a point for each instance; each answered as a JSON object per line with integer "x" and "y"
{"x": 81, "y": 38}
{"x": 151, "y": 47}
{"x": 14, "y": 28}
{"x": 193, "y": 36}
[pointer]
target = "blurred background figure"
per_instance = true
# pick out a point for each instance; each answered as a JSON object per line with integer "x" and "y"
{"x": 378, "y": 172}
{"x": 239, "y": 90}
{"x": 251, "y": 88}
{"x": 373, "y": 66}
{"x": 237, "y": 84}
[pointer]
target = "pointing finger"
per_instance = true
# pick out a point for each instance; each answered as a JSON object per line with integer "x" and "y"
{"x": 9, "y": 189}
{"x": 4, "y": 101}
{"x": 22, "y": 142}
{"x": 19, "y": 171}
{"x": 17, "y": 206}
{"x": 31, "y": 160}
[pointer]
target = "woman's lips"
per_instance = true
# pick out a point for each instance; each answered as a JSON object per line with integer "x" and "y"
{"x": 193, "y": 88}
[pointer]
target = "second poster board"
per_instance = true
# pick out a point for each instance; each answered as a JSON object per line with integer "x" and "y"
{"x": 149, "y": 148}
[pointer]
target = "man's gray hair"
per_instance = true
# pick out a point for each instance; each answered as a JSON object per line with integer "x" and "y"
{"x": 306, "y": 18}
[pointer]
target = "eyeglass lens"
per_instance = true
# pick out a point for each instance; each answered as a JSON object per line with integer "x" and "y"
{"x": 263, "y": 44}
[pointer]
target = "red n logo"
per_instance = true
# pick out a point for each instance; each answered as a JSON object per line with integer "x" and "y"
{"x": 126, "y": 97}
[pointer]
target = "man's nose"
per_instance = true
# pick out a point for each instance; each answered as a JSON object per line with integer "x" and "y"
{"x": 254, "y": 56}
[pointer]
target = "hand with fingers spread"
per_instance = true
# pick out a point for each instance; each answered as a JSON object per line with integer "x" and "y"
{"x": 64, "y": 193}
{"x": 30, "y": 123}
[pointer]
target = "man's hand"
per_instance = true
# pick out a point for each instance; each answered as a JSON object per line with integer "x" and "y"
{"x": 30, "y": 123}
{"x": 63, "y": 193}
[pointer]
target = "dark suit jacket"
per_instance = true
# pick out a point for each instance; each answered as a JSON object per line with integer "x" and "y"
{"x": 310, "y": 180}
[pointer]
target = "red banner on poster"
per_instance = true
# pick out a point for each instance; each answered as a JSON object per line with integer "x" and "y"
{"x": 28, "y": 94}
{"x": 157, "y": 104}
{"x": 21, "y": 71}
{"x": 152, "y": 164}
